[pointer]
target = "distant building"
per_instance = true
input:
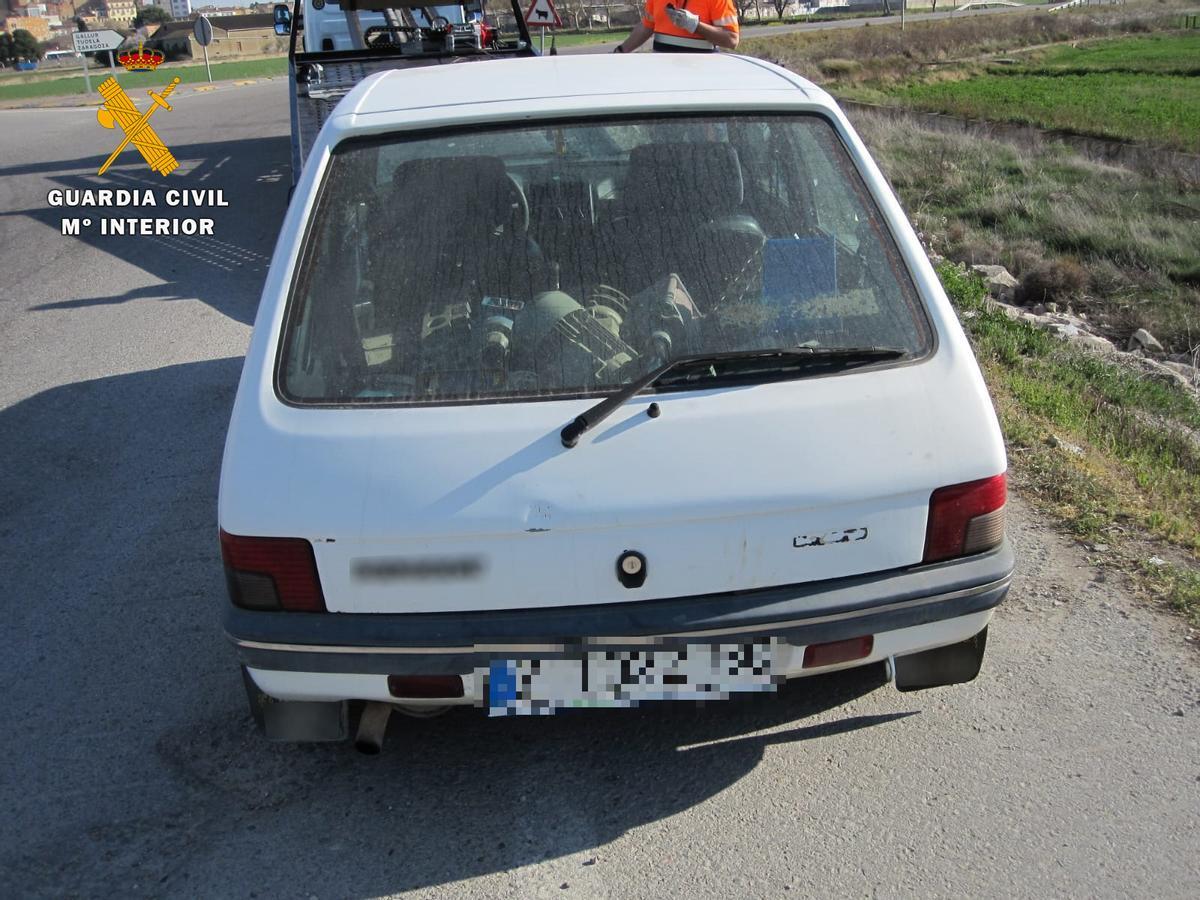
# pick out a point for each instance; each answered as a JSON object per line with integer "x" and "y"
{"x": 179, "y": 9}
{"x": 66, "y": 10}
{"x": 118, "y": 12}
{"x": 35, "y": 25}
{"x": 233, "y": 36}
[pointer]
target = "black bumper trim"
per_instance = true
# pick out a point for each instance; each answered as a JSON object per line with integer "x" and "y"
{"x": 434, "y": 643}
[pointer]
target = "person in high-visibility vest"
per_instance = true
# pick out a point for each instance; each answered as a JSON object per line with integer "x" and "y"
{"x": 685, "y": 26}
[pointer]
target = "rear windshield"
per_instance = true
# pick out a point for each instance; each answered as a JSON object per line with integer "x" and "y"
{"x": 569, "y": 259}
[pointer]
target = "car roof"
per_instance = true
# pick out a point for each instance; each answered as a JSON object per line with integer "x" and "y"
{"x": 645, "y": 80}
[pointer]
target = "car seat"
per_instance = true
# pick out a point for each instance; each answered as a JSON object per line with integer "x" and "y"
{"x": 455, "y": 230}
{"x": 682, "y": 211}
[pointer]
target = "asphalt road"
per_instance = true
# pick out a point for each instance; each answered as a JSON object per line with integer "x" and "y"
{"x": 1071, "y": 767}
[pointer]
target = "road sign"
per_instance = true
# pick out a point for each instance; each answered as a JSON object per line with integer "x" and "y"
{"x": 96, "y": 41}
{"x": 542, "y": 14}
{"x": 203, "y": 31}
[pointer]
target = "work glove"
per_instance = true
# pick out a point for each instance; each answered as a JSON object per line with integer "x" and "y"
{"x": 681, "y": 18}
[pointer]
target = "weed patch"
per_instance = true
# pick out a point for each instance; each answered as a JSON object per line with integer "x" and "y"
{"x": 1178, "y": 586}
{"x": 1119, "y": 246}
{"x": 1098, "y": 446}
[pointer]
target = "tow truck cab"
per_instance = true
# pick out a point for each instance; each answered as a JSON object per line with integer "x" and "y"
{"x": 328, "y": 29}
{"x": 335, "y": 44}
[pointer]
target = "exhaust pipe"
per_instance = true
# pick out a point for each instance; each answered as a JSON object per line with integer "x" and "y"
{"x": 372, "y": 726}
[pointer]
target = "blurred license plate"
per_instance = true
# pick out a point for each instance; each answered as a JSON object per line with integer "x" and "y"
{"x": 619, "y": 678}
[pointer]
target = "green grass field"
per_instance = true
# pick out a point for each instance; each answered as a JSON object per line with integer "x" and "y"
{"x": 1136, "y": 106}
{"x": 57, "y": 87}
{"x": 1123, "y": 71}
{"x": 1141, "y": 87}
{"x": 580, "y": 39}
{"x": 1164, "y": 54}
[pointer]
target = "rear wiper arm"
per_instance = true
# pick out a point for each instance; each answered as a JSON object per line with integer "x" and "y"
{"x": 785, "y": 356}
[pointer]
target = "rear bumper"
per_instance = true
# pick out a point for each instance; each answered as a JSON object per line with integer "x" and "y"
{"x": 960, "y": 594}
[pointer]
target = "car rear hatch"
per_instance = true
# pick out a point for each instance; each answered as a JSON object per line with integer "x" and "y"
{"x": 481, "y": 507}
{"x": 427, "y": 470}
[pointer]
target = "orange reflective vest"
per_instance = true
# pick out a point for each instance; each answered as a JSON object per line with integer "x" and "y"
{"x": 721, "y": 13}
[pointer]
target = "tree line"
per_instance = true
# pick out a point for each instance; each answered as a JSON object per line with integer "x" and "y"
{"x": 19, "y": 46}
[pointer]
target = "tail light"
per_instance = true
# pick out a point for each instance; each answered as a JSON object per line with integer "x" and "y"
{"x": 965, "y": 518}
{"x": 272, "y": 573}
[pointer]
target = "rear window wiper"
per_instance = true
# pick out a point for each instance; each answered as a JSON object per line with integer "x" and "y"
{"x": 737, "y": 362}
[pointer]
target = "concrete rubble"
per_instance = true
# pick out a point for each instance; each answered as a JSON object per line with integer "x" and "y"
{"x": 1144, "y": 352}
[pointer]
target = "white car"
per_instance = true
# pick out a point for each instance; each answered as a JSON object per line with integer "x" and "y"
{"x": 597, "y": 381}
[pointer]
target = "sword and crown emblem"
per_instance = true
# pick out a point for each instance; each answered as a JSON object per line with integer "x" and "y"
{"x": 119, "y": 110}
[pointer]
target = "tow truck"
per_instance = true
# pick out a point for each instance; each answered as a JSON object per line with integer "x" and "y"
{"x": 335, "y": 45}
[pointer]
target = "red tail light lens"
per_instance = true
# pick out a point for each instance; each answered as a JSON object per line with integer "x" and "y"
{"x": 272, "y": 573}
{"x": 966, "y": 518}
{"x": 834, "y": 652}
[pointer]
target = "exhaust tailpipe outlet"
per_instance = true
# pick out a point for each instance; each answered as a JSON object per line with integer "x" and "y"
{"x": 372, "y": 726}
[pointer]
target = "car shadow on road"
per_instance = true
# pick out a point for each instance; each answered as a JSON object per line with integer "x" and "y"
{"x": 134, "y": 760}
{"x": 225, "y": 271}
{"x": 466, "y": 796}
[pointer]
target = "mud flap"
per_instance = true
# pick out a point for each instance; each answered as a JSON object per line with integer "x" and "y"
{"x": 296, "y": 720}
{"x": 955, "y": 664}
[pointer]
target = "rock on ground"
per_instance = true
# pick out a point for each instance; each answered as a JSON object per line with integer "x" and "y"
{"x": 1144, "y": 340}
{"x": 1001, "y": 285}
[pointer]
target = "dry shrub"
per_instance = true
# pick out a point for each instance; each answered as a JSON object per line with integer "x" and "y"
{"x": 974, "y": 247}
{"x": 836, "y": 66}
{"x": 1023, "y": 257}
{"x": 1052, "y": 280}
{"x": 1189, "y": 275}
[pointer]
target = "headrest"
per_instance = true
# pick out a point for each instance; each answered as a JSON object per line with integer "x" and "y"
{"x": 455, "y": 186}
{"x": 704, "y": 178}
